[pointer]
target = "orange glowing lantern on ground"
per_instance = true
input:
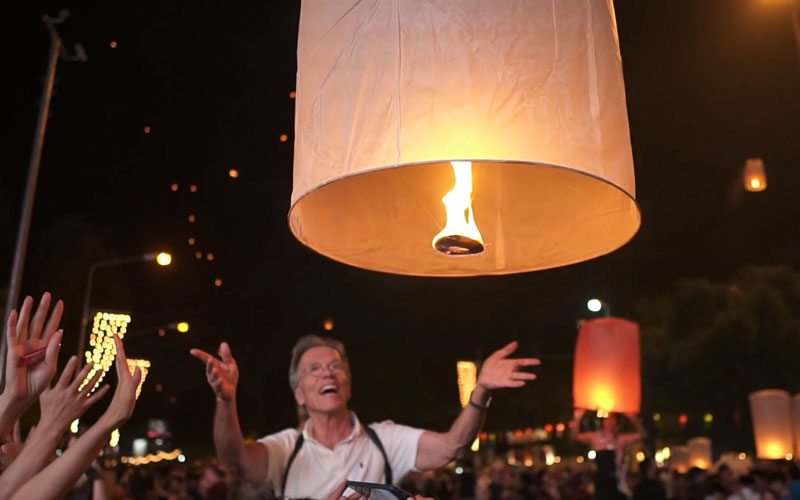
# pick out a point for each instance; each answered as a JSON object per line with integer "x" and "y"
{"x": 606, "y": 373}
{"x": 439, "y": 138}
{"x": 755, "y": 178}
{"x": 700, "y": 452}
{"x": 771, "y": 410}
{"x": 680, "y": 459}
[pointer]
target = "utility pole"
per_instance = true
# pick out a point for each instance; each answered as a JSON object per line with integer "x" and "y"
{"x": 56, "y": 50}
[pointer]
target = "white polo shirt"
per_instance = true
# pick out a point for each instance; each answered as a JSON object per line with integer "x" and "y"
{"x": 317, "y": 470}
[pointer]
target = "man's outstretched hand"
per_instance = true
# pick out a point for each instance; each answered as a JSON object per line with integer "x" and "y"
{"x": 499, "y": 371}
{"x": 222, "y": 374}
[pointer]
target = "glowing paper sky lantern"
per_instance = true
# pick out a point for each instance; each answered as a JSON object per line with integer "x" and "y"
{"x": 700, "y": 452}
{"x": 512, "y": 112}
{"x": 755, "y": 178}
{"x": 771, "y": 410}
{"x": 606, "y": 374}
{"x": 679, "y": 460}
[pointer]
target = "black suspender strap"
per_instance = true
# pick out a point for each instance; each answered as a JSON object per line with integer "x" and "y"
{"x": 297, "y": 446}
{"x": 387, "y": 469}
{"x": 374, "y": 438}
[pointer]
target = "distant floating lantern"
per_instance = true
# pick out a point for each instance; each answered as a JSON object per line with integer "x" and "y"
{"x": 174, "y": 187}
{"x": 771, "y": 410}
{"x": 607, "y": 377}
{"x": 386, "y": 117}
{"x": 328, "y": 324}
{"x": 284, "y": 137}
{"x": 146, "y": 130}
{"x": 700, "y": 452}
{"x": 680, "y": 459}
{"x": 233, "y": 173}
{"x": 193, "y": 188}
{"x": 755, "y": 178}
{"x": 217, "y": 282}
{"x": 113, "y": 44}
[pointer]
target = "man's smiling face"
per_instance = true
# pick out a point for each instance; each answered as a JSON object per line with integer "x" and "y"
{"x": 324, "y": 380}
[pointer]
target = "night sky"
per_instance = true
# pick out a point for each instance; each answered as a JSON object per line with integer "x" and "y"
{"x": 708, "y": 85}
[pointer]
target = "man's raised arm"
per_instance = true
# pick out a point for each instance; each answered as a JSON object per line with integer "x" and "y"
{"x": 437, "y": 449}
{"x": 247, "y": 460}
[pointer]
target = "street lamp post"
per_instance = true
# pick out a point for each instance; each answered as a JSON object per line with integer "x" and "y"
{"x": 162, "y": 258}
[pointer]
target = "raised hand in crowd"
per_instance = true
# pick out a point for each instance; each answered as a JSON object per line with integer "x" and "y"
{"x": 60, "y": 405}
{"x": 31, "y": 359}
{"x": 500, "y": 371}
{"x": 54, "y": 481}
{"x": 222, "y": 374}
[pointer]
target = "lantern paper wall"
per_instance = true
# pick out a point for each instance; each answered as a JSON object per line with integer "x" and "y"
{"x": 679, "y": 460}
{"x": 700, "y": 452}
{"x": 755, "y": 178}
{"x": 606, "y": 373}
{"x": 771, "y": 410}
{"x": 529, "y": 91}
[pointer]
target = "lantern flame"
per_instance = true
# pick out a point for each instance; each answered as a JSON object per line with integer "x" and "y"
{"x": 460, "y": 235}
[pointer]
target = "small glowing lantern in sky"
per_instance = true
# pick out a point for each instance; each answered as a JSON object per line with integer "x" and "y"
{"x": 606, "y": 372}
{"x": 755, "y": 178}
{"x": 700, "y": 452}
{"x": 511, "y": 113}
{"x": 771, "y": 410}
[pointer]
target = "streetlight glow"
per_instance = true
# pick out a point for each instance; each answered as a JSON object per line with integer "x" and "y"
{"x": 164, "y": 259}
{"x": 594, "y": 305}
{"x": 182, "y": 327}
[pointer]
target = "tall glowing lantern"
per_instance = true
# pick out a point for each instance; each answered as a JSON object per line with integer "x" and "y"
{"x": 700, "y": 452}
{"x": 606, "y": 374}
{"x": 442, "y": 138}
{"x": 680, "y": 459}
{"x": 755, "y": 178}
{"x": 771, "y": 410}
{"x": 467, "y": 381}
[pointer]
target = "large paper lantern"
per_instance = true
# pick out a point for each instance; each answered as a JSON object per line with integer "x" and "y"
{"x": 700, "y": 452}
{"x": 606, "y": 373}
{"x": 512, "y": 111}
{"x": 771, "y": 410}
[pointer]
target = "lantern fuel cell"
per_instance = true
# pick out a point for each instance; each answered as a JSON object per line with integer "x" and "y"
{"x": 393, "y": 96}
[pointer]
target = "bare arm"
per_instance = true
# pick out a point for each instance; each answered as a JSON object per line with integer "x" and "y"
{"x": 247, "y": 461}
{"x": 55, "y": 480}
{"x": 438, "y": 449}
{"x": 26, "y": 377}
{"x": 60, "y": 405}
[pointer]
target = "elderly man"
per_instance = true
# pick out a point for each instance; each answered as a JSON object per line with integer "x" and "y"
{"x": 333, "y": 444}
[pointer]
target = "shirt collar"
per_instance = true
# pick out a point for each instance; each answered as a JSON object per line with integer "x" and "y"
{"x": 356, "y": 430}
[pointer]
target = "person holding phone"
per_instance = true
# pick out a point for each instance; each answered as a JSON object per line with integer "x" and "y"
{"x": 333, "y": 444}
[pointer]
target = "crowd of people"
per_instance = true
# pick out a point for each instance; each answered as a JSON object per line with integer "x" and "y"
{"x": 328, "y": 447}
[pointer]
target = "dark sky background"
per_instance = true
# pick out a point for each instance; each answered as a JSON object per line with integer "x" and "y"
{"x": 708, "y": 83}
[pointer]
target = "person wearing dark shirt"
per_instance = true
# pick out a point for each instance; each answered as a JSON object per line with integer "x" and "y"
{"x": 649, "y": 488}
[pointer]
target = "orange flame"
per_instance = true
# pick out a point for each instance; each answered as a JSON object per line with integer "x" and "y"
{"x": 460, "y": 235}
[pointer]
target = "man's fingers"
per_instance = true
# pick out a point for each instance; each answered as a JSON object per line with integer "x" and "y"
{"x": 516, "y": 383}
{"x": 22, "y": 321}
{"x": 52, "y": 323}
{"x": 11, "y": 329}
{"x": 90, "y": 386}
{"x": 69, "y": 370}
{"x": 17, "y": 432}
{"x": 339, "y": 491}
{"x": 53, "y": 346}
{"x": 93, "y": 398}
{"x": 528, "y": 362}
{"x": 506, "y": 351}
{"x": 38, "y": 318}
{"x": 201, "y": 355}
{"x": 137, "y": 376}
{"x": 225, "y": 353}
{"x": 523, "y": 376}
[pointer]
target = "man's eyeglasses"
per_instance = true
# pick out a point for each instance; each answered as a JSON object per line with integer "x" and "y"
{"x": 316, "y": 370}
